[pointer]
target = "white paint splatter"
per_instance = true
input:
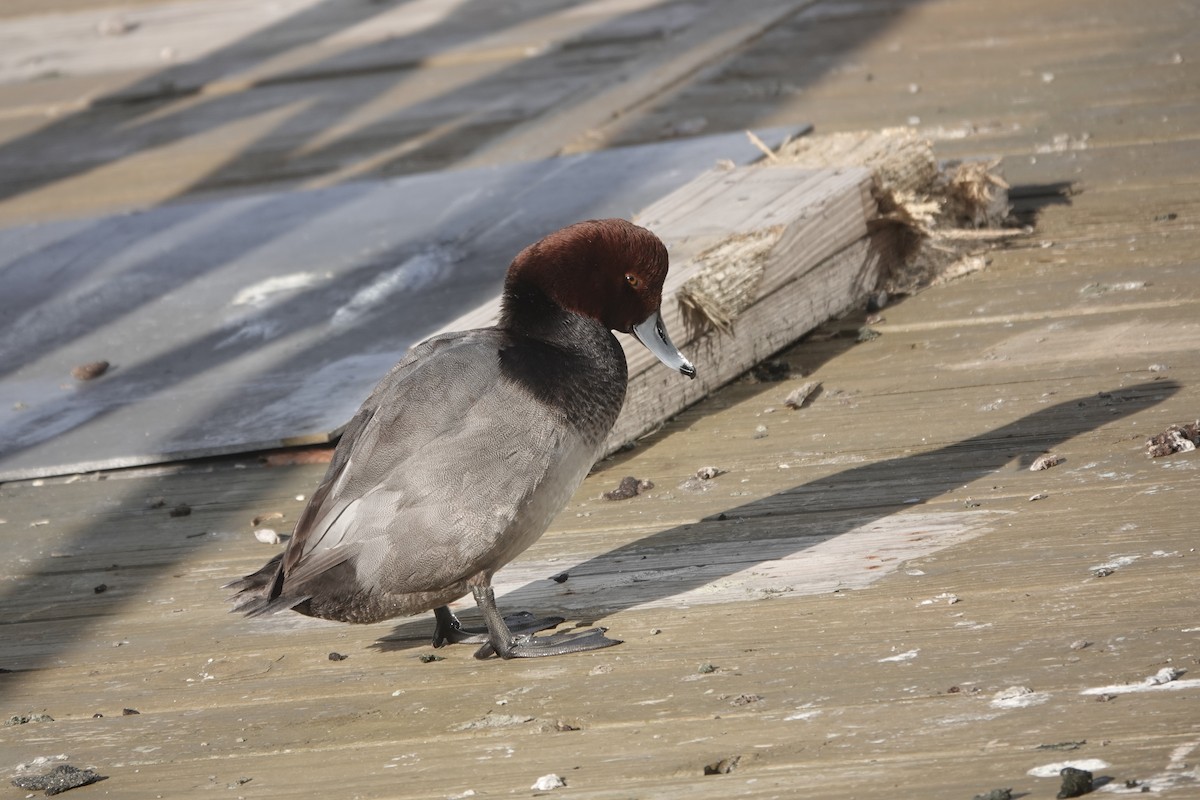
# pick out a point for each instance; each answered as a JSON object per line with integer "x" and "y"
{"x": 906, "y": 656}
{"x": 1179, "y": 755}
{"x": 417, "y": 272}
{"x": 257, "y": 293}
{"x": 803, "y": 715}
{"x": 260, "y": 329}
{"x": 1145, "y": 686}
{"x": 1053, "y": 770}
{"x": 1018, "y": 697}
{"x": 1116, "y": 562}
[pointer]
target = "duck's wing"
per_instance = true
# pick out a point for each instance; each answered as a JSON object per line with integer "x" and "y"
{"x": 443, "y": 457}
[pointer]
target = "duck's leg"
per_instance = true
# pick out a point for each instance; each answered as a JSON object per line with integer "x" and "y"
{"x": 504, "y": 643}
{"x": 449, "y": 630}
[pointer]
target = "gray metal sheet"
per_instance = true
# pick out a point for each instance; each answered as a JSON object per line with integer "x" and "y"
{"x": 241, "y": 324}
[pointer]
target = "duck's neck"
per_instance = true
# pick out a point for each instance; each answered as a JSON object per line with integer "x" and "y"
{"x": 567, "y": 360}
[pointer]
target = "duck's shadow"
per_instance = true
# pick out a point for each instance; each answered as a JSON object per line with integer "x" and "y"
{"x": 846, "y": 501}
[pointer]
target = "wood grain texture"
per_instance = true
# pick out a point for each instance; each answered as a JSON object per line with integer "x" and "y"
{"x": 867, "y": 693}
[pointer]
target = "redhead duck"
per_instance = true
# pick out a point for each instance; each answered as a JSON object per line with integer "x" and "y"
{"x": 471, "y": 445}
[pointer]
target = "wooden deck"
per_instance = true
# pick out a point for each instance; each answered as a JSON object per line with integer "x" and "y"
{"x": 869, "y": 602}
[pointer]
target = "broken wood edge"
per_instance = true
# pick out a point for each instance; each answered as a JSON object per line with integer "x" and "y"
{"x": 832, "y": 210}
{"x": 838, "y": 283}
{"x": 948, "y": 212}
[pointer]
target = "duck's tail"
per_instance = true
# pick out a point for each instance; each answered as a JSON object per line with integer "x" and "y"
{"x": 252, "y": 595}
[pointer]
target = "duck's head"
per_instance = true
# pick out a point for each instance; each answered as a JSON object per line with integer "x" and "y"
{"x": 608, "y": 269}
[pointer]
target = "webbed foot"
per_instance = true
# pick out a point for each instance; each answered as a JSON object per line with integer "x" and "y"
{"x": 507, "y": 643}
{"x": 449, "y": 630}
{"x": 556, "y": 644}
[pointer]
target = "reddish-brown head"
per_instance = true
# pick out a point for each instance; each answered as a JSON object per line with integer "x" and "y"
{"x": 607, "y": 269}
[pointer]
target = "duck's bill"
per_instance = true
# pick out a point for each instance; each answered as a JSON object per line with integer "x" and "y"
{"x": 653, "y": 334}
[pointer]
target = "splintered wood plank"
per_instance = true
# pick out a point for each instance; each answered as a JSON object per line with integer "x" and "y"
{"x": 811, "y": 259}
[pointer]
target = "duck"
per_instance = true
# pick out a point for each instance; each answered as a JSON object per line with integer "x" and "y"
{"x": 469, "y": 447}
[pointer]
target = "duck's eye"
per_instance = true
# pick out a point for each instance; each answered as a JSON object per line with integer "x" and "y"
{"x": 633, "y": 280}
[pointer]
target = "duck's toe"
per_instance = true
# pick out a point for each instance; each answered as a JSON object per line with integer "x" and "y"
{"x": 556, "y": 644}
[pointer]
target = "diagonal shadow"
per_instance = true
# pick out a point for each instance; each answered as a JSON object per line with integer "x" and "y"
{"x": 845, "y": 501}
{"x": 145, "y": 114}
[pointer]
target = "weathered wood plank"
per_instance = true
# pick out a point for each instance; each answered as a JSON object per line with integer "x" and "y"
{"x": 820, "y": 262}
{"x": 886, "y": 691}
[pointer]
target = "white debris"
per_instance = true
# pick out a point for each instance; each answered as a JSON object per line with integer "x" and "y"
{"x": 797, "y": 397}
{"x": 1046, "y": 462}
{"x": 1018, "y": 697}
{"x": 257, "y": 294}
{"x": 548, "y": 783}
{"x": 39, "y": 763}
{"x": 1164, "y": 675}
{"x": 905, "y": 656}
{"x": 267, "y": 536}
{"x": 950, "y": 599}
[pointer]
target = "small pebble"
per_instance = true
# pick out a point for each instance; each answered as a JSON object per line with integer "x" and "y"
{"x": 25, "y": 719}
{"x": 797, "y": 397}
{"x": 1164, "y": 675}
{"x": 866, "y": 334}
{"x": 337, "y": 657}
{"x": 995, "y": 794}
{"x": 548, "y": 783}
{"x": 629, "y": 487}
{"x": 89, "y": 371}
{"x": 1046, "y": 462}
{"x": 1075, "y": 782}
{"x": 57, "y": 780}
{"x": 181, "y": 510}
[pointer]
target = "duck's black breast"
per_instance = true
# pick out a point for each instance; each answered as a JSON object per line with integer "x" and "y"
{"x": 570, "y": 364}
